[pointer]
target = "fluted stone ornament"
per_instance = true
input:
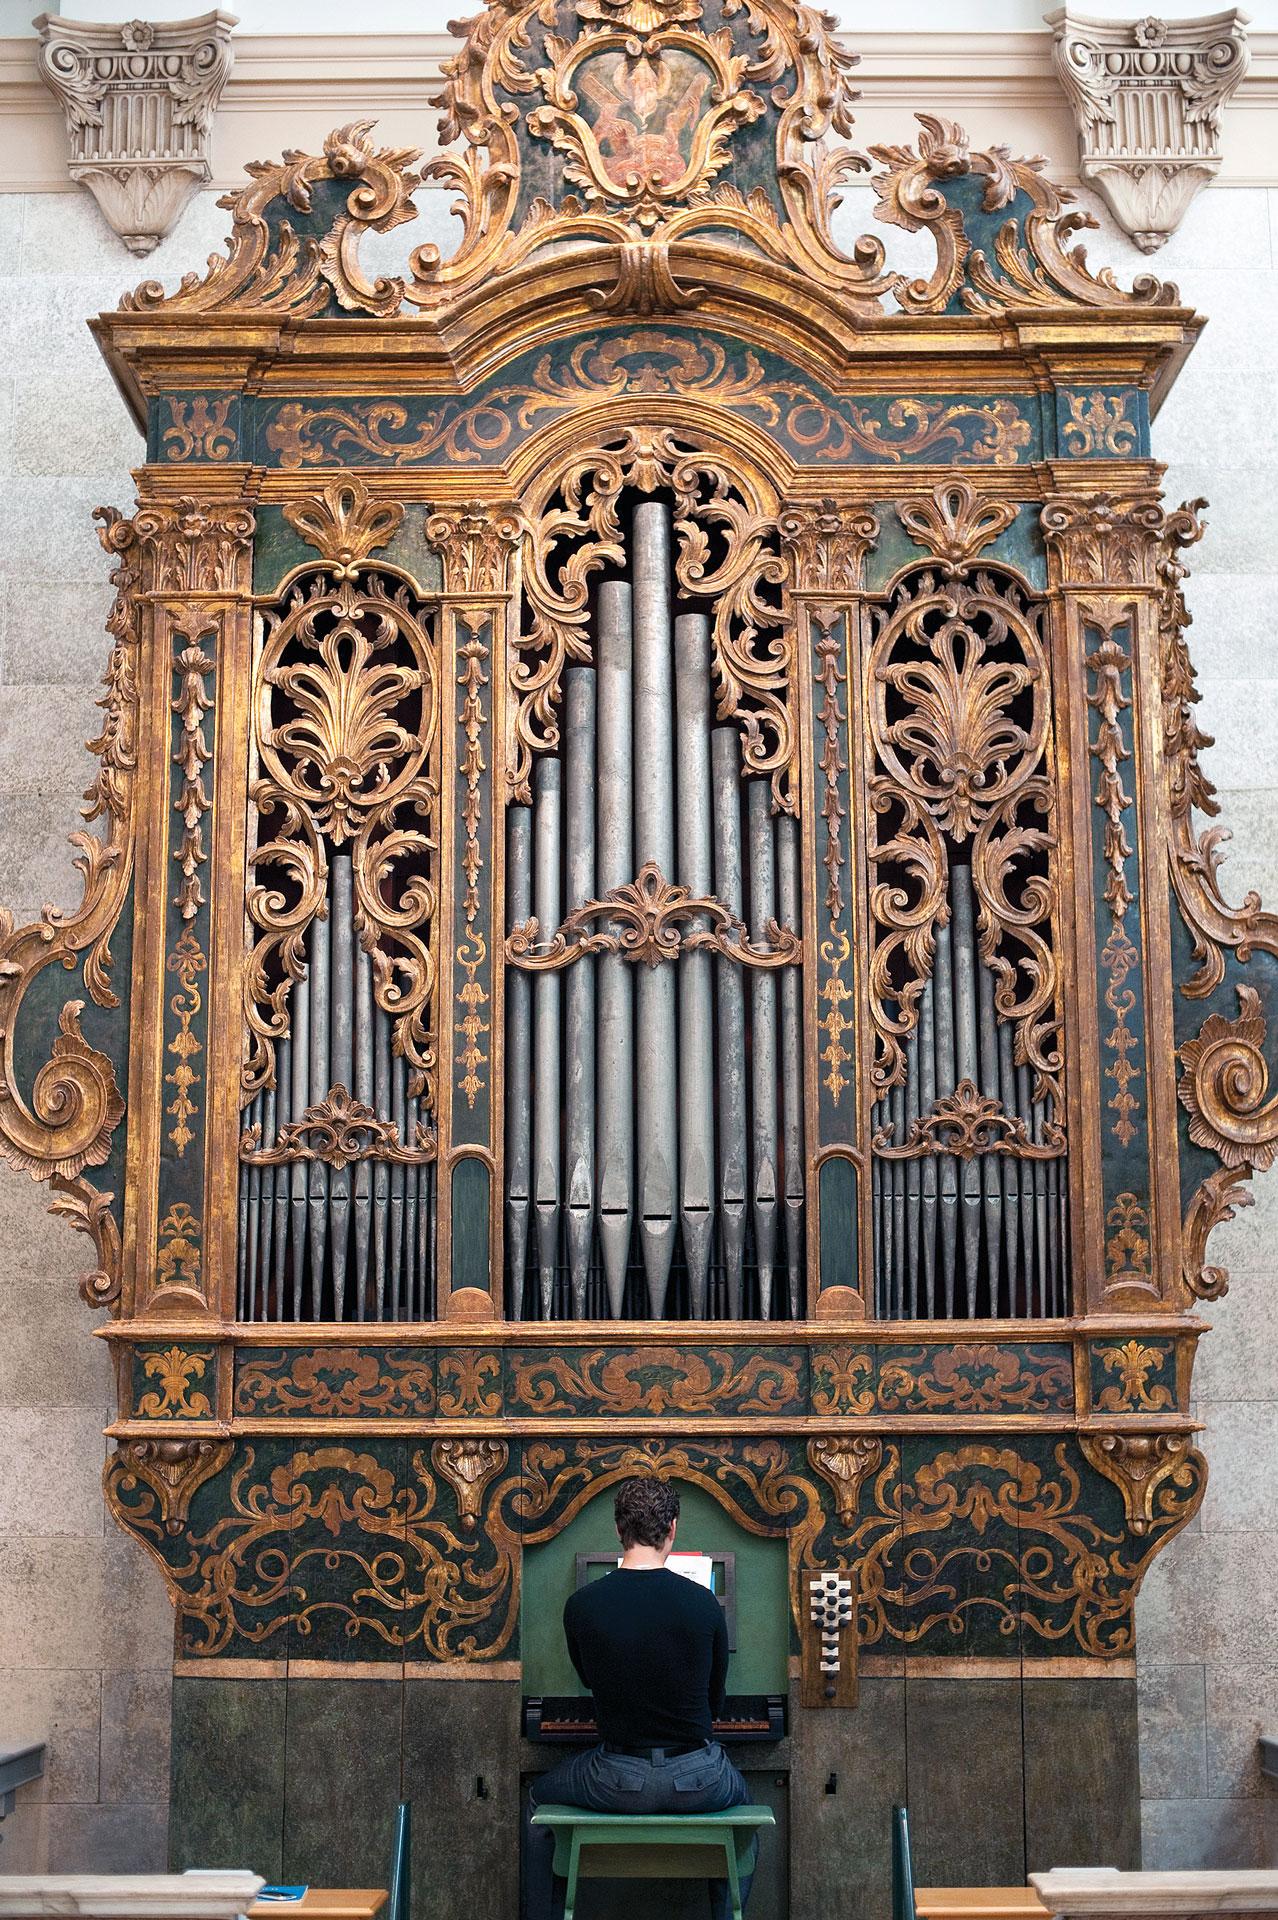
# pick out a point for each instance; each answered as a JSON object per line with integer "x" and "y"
{"x": 139, "y": 101}
{"x": 1148, "y": 96}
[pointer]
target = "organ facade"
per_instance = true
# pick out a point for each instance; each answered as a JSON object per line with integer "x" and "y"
{"x": 647, "y": 912}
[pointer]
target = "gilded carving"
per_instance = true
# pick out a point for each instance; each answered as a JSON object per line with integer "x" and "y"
{"x": 75, "y": 1107}
{"x": 1223, "y": 1086}
{"x": 473, "y": 950}
{"x": 1127, "y": 1243}
{"x": 842, "y": 1381}
{"x": 339, "y": 1131}
{"x": 478, "y": 543}
{"x": 187, "y": 962}
{"x": 179, "y": 1256}
{"x": 966, "y": 1123}
{"x": 172, "y": 1471}
{"x": 645, "y": 924}
{"x": 955, "y": 524}
{"x": 1156, "y": 1473}
{"x": 196, "y": 546}
{"x": 828, "y": 545}
{"x": 834, "y": 951}
{"x": 845, "y": 1465}
{"x": 346, "y": 720}
{"x": 192, "y": 667}
{"x": 655, "y": 1380}
{"x": 1109, "y": 665}
{"x": 345, "y": 523}
{"x": 1106, "y": 539}
{"x": 469, "y": 1383}
{"x": 89, "y": 1211}
{"x": 176, "y": 1373}
{"x": 469, "y": 1466}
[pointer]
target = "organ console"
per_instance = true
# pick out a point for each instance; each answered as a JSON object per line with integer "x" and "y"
{"x": 569, "y": 1719}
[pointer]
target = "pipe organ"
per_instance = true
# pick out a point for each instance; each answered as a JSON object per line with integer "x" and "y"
{"x": 646, "y": 910}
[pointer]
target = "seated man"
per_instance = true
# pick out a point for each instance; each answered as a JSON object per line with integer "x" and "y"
{"x": 653, "y": 1649}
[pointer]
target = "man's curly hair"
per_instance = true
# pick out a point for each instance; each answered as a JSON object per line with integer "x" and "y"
{"x": 645, "y": 1510}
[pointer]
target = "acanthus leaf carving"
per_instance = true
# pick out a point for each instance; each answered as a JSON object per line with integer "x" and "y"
{"x": 344, "y": 522}
{"x": 1141, "y": 1466}
{"x": 1223, "y": 1085}
{"x": 173, "y": 1469}
{"x": 338, "y": 1131}
{"x": 643, "y": 923}
{"x": 845, "y": 1464}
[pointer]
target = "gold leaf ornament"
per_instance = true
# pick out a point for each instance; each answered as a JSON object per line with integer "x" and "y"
{"x": 1223, "y": 1085}
{"x": 345, "y": 523}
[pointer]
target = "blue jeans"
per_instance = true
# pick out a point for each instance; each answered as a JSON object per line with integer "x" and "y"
{"x": 702, "y": 1782}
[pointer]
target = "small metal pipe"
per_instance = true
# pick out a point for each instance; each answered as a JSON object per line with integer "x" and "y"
{"x": 411, "y": 1111}
{"x": 547, "y": 827}
{"x": 991, "y": 1173}
{"x": 913, "y": 1175}
{"x": 696, "y": 1012}
{"x": 656, "y": 1136}
{"x": 382, "y": 1101}
{"x": 1025, "y": 1112}
{"x": 254, "y": 1215}
{"x": 876, "y": 1203}
{"x": 1052, "y": 1172}
{"x": 301, "y": 1067}
{"x": 342, "y": 1038}
{"x": 1011, "y": 1169}
{"x": 241, "y": 1285}
{"x": 763, "y": 1036}
{"x": 283, "y": 1114}
{"x": 943, "y": 1030}
{"x": 1040, "y": 1212}
{"x": 900, "y": 1258}
{"x": 518, "y": 1062}
{"x": 966, "y": 1054}
{"x": 615, "y": 1139}
{"x": 790, "y": 898}
{"x": 398, "y": 1114}
{"x": 267, "y": 1229}
{"x": 317, "y": 1182}
{"x": 926, "y": 1031}
{"x": 725, "y": 760}
{"x": 579, "y": 984}
{"x": 364, "y": 1094}
{"x": 425, "y": 1275}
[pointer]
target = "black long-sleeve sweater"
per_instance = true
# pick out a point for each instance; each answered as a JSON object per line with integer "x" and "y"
{"x": 653, "y": 1649}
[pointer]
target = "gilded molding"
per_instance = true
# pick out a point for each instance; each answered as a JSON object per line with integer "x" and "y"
{"x": 139, "y": 102}
{"x": 344, "y": 523}
{"x": 1148, "y": 96}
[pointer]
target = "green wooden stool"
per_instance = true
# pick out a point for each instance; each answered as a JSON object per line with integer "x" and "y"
{"x": 652, "y": 1846}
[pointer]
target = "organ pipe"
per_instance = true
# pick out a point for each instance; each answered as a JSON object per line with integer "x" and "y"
{"x": 616, "y": 864}
{"x": 518, "y": 1059}
{"x": 579, "y": 988}
{"x": 790, "y": 894}
{"x": 725, "y": 755}
{"x": 763, "y": 1017}
{"x": 696, "y": 1060}
{"x": 547, "y": 810}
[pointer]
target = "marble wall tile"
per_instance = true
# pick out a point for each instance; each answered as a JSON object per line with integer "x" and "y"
{"x": 77, "y": 425}
{"x": 1226, "y": 230}
{"x": 54, "y": 633}
{"x": 1171, "y": 1628}
{"x": 1242, "y": 1703}
{"x": 35, "y": 860}
{"x": 47, "y": 529}
{"x": 1241, "y": 1443}
{"x": 1246, "y": 1245}
{"x": 1193, "y": 1834}
{"x": 1171, "y": 1711}
{"x": 12, "y": 213}
{"x": 64, "y": 1709}
{"x": 1234, "y": 632}
{"x": 51, "y": 1484}
{"x": 1242, "y": 717}
{"x": 63, "y": 228}
{"x": 1242, "y": 530}
{"x": 42, "y": 734}
{"x": 1213, "y": 414}
{"x": 53, "y": 1597}
{"x": 141, "y": 1625}
{"x": 130, "y": 1838}
{"x": 38, "y": 1251}
{"x": 1238, "y": 1359}
{"x": 52, "y": 1361}
{"x": 135, "y": 1734}
{"x": 43, "y": 322}
{"x": 26, "y": 1836}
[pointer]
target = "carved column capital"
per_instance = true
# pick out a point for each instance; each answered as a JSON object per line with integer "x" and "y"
{"x": 197, "y": 546}
{"x": 478, "y": 542}
{"x": 828, "y": 544}
{"x": 1147, "y": 97}
{"x": 139, "y": 101}
{"x": 1106, "y": 539}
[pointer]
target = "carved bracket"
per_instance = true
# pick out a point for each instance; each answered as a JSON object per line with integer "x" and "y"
{"x": 1139, "y": 1464}
{"x": 1147, "y": 96}
{"x": 139, "y": 101}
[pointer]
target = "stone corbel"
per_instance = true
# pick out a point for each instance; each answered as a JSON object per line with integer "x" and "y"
{"x": 139, "y": 101}
{"x": 1148, "y": 96}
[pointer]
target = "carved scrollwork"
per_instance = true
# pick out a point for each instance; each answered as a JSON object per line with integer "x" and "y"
{"x": 347, "y": 714}
{"x": 648, "y": 914}
{"x": 173, "y": 1469}
{"x": 478, "y": 542}
{"x": 469, "y": 1466}
{"x": 845, "y": 1465}
{"x": 966, "y": 1123}
{"x": 959, "y": 711}
{"x": 1223, "y": 1087}
{"x": 1151, "y": 1470}
{"x": 828, "y": 544}
{"x": 345, "y": 523}
{"x": 337, "y": 1131}
{"x": 727, "y": 553}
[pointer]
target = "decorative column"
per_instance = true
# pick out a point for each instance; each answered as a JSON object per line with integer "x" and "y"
{"x": 139, "y": 101}
{"x": 1103, "y": 558}
{"x": 827, "y": 544}
{"x": 1148, "y": 96}
{"x": 479, "y": 544}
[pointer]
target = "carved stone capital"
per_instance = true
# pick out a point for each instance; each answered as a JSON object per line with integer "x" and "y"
{"x": 139, "y": 101}
{"x": 1147, "y": 96}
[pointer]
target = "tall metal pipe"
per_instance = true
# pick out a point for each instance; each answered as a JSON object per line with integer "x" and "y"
{"x": 341, "y": 1062}
{"x": 1040, "y": 1211}
{"x": 656, "y": 1114}
{"x": 991, "y": 1173}
{"x": 790, "y": 901}
{"x": 763, "y": 1033}
{"x": 411, "y": 1110}
{"x": 267, "y": 1229}
{"x": 927, "y": 1176}
{"x": 518, "y": 1062}
{"x": 301, "y": 1070}
{"x": 364, "y": 1094}
{"x": 317, "y": 1175}
{"x": 1024, "y": 1109}
{"x": 943, "y": 1030}
{"x": 381, "y": 1168}
{"x": 725, "y": 760}
{"x": 241, "y": 1281}
{"x": 696, "y": 1011}
{"x": 899, "y": 1215}
{"x": 283, "y": 1114}
{"x": 1011, "y": 1168}
{"x": 579, "y": 986}
{"x": 547, "y": 817}
{"x": 254, "y": 1215}
{"x": 615, "y": 1143}
{"x": 395, "y": 1250}
{"x": 913, "y": 1176}
{"x": 966, "y": 1058}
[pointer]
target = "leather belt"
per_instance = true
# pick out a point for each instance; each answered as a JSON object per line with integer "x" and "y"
{"x": 653, "y": 1753}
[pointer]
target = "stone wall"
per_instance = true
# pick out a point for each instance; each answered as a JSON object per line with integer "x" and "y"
{"x": 85, "y": 1629}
